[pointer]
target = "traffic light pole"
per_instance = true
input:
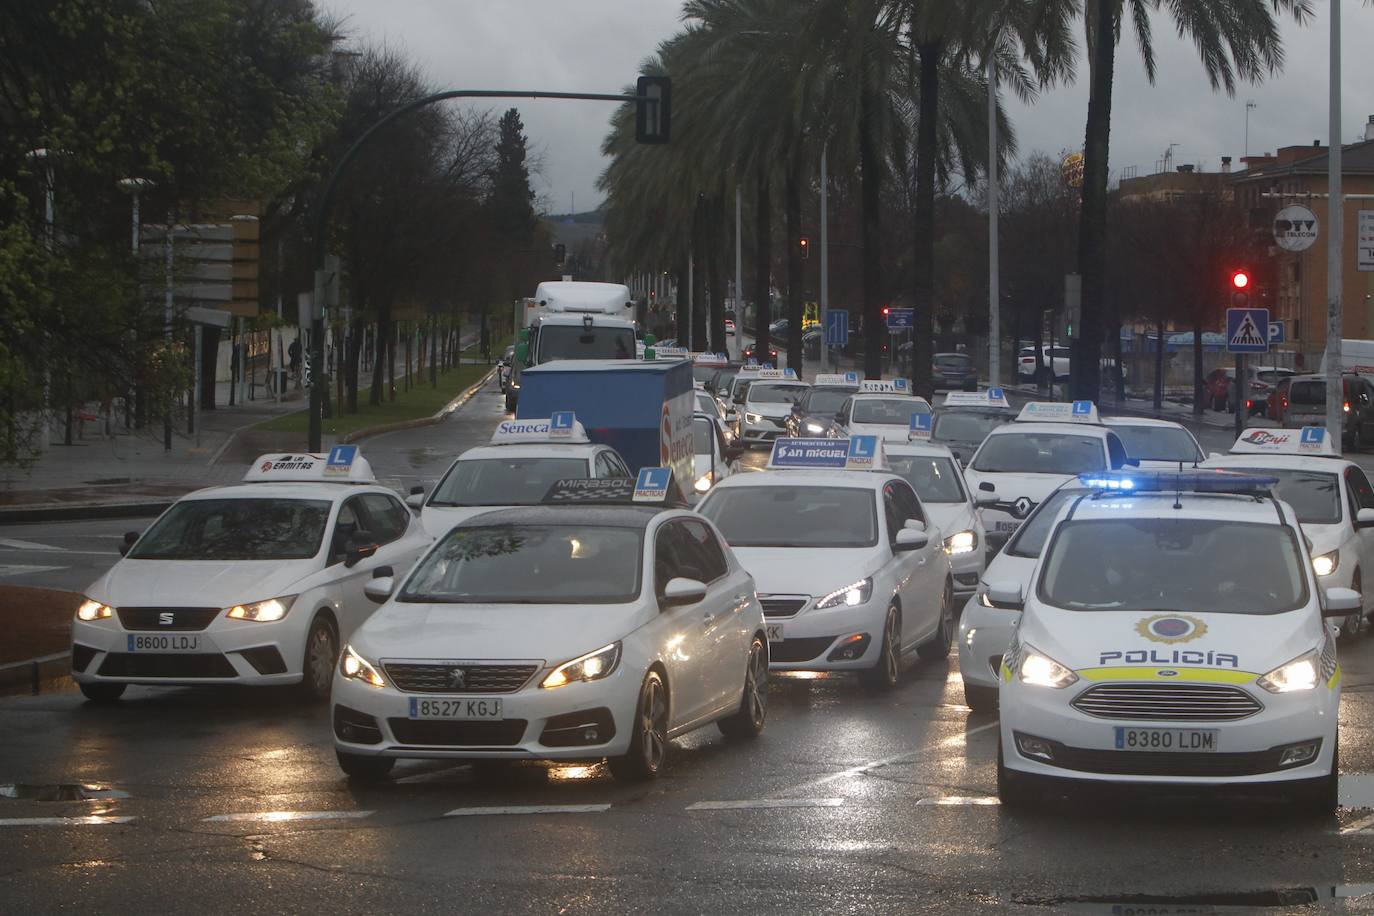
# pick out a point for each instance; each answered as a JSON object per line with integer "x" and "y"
{"x": 652, "y": 126}
{"x": 1241, "y": 410}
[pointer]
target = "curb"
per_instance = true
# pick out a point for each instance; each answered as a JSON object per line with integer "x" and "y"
{"x": 32, "y": 672}
{"x": 82, "y": 511}
{"x": 360, "y": 434}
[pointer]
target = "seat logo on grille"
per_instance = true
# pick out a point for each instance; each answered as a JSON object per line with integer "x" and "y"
{"x": 457, "y": 678}
{"x": 166, "y": 618}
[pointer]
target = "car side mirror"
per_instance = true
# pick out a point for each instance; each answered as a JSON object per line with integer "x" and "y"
{"x": 360, "y": 546}
{"x": 1342, "y": 601}
{"x": 907, "y": 539}
{"x": 130, "y": 537}
{"x": 914, "y": 524}
{"x": 416, "y": 500}
{"x": 680, "y": 591}
{"x": 1006, "y": 595}
{"x": 1364, "y": 518}
{"x": 986, "y": 495}
{"x": 379, "y": 589}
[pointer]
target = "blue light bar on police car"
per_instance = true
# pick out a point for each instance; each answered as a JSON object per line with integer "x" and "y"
{"x": 1192, "y": 481}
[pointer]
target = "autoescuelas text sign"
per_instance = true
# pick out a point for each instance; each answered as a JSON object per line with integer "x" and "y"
{"x": 809, "y": 453}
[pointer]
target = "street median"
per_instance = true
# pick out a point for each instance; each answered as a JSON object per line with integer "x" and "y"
{"x": 37, "y": 624}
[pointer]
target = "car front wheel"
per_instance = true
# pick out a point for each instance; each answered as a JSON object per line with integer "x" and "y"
{"x": 649, "y": 738}
{"x": 887, "y": 671}
{"x": 321, "y": 655}
{"x": 364, "y": 769}
{"x": 749, "y": 720}
{"x": 103, "y": 693}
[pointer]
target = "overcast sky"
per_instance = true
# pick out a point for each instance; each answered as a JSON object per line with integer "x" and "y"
{"x": 596, "y": 46}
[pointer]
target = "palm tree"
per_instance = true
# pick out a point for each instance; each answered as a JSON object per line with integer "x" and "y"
{"x": 1236, "y": 39}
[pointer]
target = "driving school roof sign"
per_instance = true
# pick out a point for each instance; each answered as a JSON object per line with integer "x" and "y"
{"x": 1059, "y": 412}
{"x": 1310, "y": 440}
{"x": 886, "y": 386}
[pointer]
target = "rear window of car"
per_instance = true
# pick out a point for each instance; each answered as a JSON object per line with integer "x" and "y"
{"x": 1311, "y": 392}
{"x": 953, "y": 360}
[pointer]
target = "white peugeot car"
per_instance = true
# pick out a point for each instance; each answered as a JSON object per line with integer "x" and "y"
{"x": 590, "y": 627}
{"x": 851, "y": 568}
{"x": 524, "y": 459}
{"x": 1332, "y": 497}
{"x": 985, "y": 631}
{"x": 939, "y": 483}
{"x": 256, "y": 583}
{"x": 1021, "y": 463}
{"x": 768, "y": 403}
{"x": 1172, "y": 636}
{"x": 881, "y": 414}
{"x": 1160, "y": 444}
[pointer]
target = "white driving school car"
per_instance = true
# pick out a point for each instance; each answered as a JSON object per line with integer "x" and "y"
{"x": 851, "y": 568}
{"x": 768, "y": 403}
{"x": 517, "y": 468}
{"x": 939, "y": 483}
{"x": 1173, "y": 636}
{"x": 881, "y": 408}
{"x": 256, "y": 583}
{"x": 1332, "y": 497}
{"x": 599, "y": 625}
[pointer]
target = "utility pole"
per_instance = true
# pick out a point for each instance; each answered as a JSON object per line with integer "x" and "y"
{"x": 994, "y": 280}
{"x": 825, "y": 255}
{"x": 1335, "y": 239}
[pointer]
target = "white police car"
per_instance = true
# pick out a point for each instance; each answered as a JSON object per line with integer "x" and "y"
{"x": 881, "y": 408}
{"x": 601, "y": 624}
{"x": 1172, "y": 635}
{"x": 1021, "y": 463}
{"x": 939, "y": 483}
{"x": 1159, "y": 444}
{"x": 851, "y": 568}
{"x": 985, "y": 631}
{"x": 1332, "y": 497}
{"x": 523, "y": 460}
{"x": 256, "y": 583}
{"x": 768, "y": 403}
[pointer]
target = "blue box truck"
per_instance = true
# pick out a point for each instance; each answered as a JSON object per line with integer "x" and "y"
{"x": 641, "y": 408}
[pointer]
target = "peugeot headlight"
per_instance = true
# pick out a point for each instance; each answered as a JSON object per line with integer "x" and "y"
{"x": 1042, "y": 671}
{"x": 850, "y": 596}
{"x": 703, "y": 483}
{"x": 1299, "y": 674}
{"x": 1325, "y": 564}
{"x": 963, "y": 542}
{"x": 262, "y": 611}
{"x": 590, "y": 667}
{"x": 93, "y": 610}
{"x": 354, "y": 667}
{"x": 753, "y": 417}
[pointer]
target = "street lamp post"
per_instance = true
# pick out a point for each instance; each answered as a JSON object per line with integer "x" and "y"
{"x": 134, "y": 187}
{"x": 1335, "y": 238}
{"x": 45, "y": 156}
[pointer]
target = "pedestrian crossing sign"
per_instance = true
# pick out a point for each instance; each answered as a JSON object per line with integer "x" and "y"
{"x": 1247, "y": 330}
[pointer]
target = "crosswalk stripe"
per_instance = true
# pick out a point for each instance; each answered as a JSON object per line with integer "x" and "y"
{"x": 766, "y": 803}
{"x": 26, "y": 545}
{"x": 93, "y": 820}
{"x": 528, "y": 809}
{"x": 283, "y": 816}
{"x": 14, "y": 569}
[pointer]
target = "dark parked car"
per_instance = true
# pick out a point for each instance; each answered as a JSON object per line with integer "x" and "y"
{"x": 751, "y": 352}
{"x": 954, "y": 370}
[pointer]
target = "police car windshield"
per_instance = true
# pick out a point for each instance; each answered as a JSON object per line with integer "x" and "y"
{"x": 1314, "y": 496}
{"x": 891, "y": 411}
{"x": 794, "y": 516}
{"x": 769, "y": 393}
{"x": 1158, "y": 443}
{"x": 965, "y": 426}
{"x": 1040, "y": 453}
{"x": 826, "y": 400}
{"x": 561, "y": 341}
{"x": 1208, "y": 565}
{"x": 1029, "y": 539}
{"x": 935, "y": 480}
{"x": 236, "y": 529}
{"x": 504, "y": 481}
{"x": 701, "y": 435}
{"x": 531, "y": 564}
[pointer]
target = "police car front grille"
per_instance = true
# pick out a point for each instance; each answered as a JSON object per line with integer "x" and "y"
{"x": 781, "y": 605}
{"x": 441, "y": 678}
{"x": 166, "y": 619}
{"x": 1167, "y": 702}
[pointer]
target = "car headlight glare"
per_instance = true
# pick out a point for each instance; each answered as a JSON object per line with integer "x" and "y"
{"x": 590, "y": 667}
{"x": 703, "y": 483}
{"x": 851, "y": 595}
{"x": 963, "y": 542}
{"x": 753, "y": 417}
{"x": 272, "y": 609}
{"x": 815, "y": 428}
{"x": 1325, "y": 564}
{"x": 356, "y": 668}
{"x": 93, "y": 610}
{"x": 1299, "y": 674}
{"x": 1042, "y": 671}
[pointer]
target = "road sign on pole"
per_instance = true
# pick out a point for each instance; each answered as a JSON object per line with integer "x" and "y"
{"x": 1247, "y": 330}
{"x": 837, "y": 328}
{"x": 1276, "y": 333}
{"x": 900, "y": 319}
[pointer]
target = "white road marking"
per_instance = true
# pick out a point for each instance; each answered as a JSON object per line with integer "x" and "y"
{"x": 960, "y": 800}
{"x": 1359, "y": 825}
{"x": 282, "y": 816}
{"x": 16, "y": 570}
{"x": 528, "y": 809}
{"x": 766, "y": 803}
{"x": 26, "y": 545}
{"x": 88, "y": 821}
{"x": 954, "y": 741}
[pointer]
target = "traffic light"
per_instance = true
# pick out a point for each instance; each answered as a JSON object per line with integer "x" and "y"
{"x": 805, "y": 243}
{"x": 886, "y": 311}
{"x": 1240, "y": 285}
{"x": 653, "y": 109}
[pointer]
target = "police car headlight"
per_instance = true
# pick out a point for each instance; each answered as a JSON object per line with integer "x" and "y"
{"x": 356, "y": 668}
{"x": 262, "y": 611}
{"x": 1325, "y": 564}
{"x": 1043, "y": 671}
{"x": 753, "y": 417}
{"x": 1299, "y": 674}
{"x": 963, "y": 542}
{"x": 849, "y": 596}
{"x": 591, "y": 667}
{"x": 703, "y": 483}
{"x": 93, "y": 610}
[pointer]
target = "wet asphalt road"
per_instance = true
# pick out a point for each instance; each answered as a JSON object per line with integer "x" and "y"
{"x": 230, "y": 801}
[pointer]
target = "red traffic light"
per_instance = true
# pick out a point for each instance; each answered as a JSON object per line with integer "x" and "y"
{"x": 1240, "y": 279}
{"x": 886, "y": 310}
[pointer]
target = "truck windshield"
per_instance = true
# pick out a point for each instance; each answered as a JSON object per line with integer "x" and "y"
{"x": 794, "y": 516}
{"x": 236, "y": 529}
{"x": 504, "y": 481}
{"x": 561, "y": 341}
